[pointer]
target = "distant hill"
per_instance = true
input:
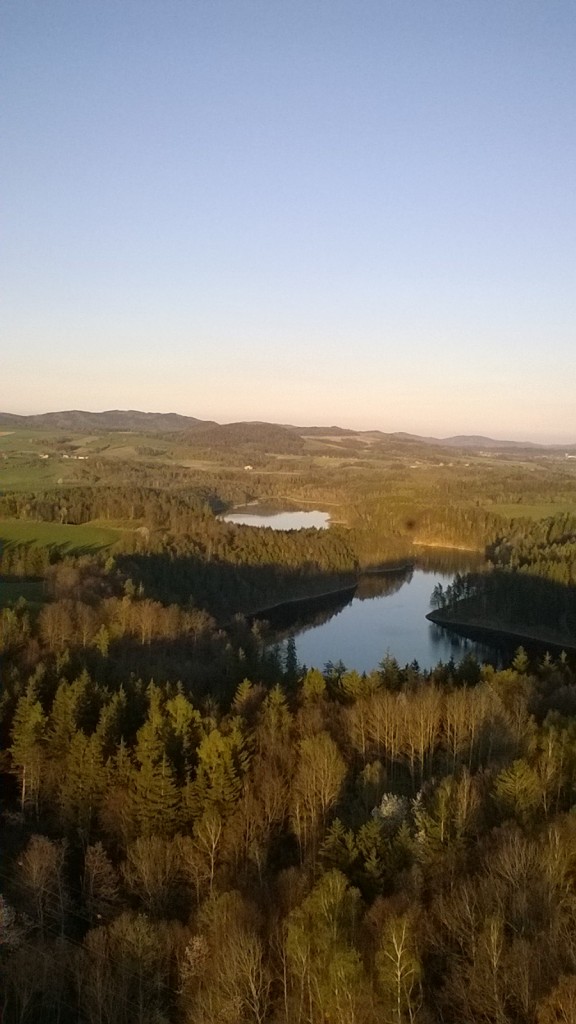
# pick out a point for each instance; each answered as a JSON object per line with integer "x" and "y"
{"x": 253, "y": 435}
{"x": 281, "y": 438}
{"x": 115, "y": 419}
{"x": 327, "y": 431}
{"x": 208, "y": 433}
{"x": 465, "y": 441}
{"x": 477, "y": 441}
{"x": 468, "y": 441}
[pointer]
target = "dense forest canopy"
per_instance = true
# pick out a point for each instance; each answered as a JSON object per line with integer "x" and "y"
{"x": 195, "y": 828}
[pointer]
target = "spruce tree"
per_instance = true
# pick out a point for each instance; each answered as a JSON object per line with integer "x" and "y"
{"x": 28, "y": 746}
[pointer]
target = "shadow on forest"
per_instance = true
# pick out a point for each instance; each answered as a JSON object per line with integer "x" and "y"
{"x": 485, "y": 605}
{"x": 209, "y": 664}
{"x": 56, "y": 551}
{"x": 270, "y": 591}
{"x": 286, "y": 596}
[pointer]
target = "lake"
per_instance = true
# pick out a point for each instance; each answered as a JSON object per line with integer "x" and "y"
{"x": 385, "y": 614}
{"x": 260, "y": 515}
{"x": 372, "y": 625}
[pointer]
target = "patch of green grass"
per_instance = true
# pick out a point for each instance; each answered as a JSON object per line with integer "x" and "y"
{"x": 543, "y": 510}
{"x": 70, "y": 539}
{"x": 35, "y": 476}
{"x": 123, "y": 525}
{"x": 16, "y": 440}
{"x": 14, "y": 587}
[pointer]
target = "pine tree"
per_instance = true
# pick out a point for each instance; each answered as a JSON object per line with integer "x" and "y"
{"x": 222, "y": 762}
{"x": 27, "y": 749}
{"x": 155, "y": 799}
{"x": 274, "y": 729}
{"x": 151, "y": 736}
{"x": 110, "y": 728}
{"x": 182, "y": 729}
{"x": 66, "y": 715}
{"x": 519, "y": 792}
{"x": 82, "y": 784}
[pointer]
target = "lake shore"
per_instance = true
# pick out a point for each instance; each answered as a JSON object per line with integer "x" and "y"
{"x": 447, "y": 547}
{"x": 384, "y": 569}
{"x": 305, "y": 599}
{"x": 337, "y": 592}
{"x": 477, "y": 627}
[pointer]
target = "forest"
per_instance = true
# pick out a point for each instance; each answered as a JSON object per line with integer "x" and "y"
{"x": 197, "y": 829}
{"x": 529, "y": 585}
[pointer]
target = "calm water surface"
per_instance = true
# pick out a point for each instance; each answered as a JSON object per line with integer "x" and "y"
{"x": 257, "y": 515}
{"x": 387, "y": 614}
{"x": 394, "y": 623}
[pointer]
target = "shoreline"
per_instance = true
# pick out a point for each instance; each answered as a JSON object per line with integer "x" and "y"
{"x": 260, "y": 613}
{"x": 446, "y": 547}
{"x": 485, "y": 630}
{"x": 305, "y": 599}
{"x": 404, "y": 567}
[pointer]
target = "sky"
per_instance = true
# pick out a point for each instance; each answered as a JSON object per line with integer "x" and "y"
{"x": 353, "y": 212}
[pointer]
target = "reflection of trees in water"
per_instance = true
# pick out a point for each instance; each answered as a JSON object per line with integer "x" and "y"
{"x": 449, "y": 560}
{"x": 439, "y": 636}
{"x": 382, "y": 584}
{"x": 498, "y": 653}
{"x": 300, "y": 616}
{"x": 316, "y": 611}
{"x": 295, "y": 616}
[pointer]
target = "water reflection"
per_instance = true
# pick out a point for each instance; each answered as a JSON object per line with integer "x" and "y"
{"x": 381, "y": 584}
{"x": 307, "y": 613}
{"x": 448, "y": 560}
{"x": 496, "y": 654}
{"x": 386, "y": 614}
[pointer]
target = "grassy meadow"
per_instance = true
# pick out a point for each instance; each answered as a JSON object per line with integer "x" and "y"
{"x": 69, "y": 539}
{"x": 14, "y": 587}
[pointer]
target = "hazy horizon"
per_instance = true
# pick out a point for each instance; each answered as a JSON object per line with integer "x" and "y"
{"x": 351, "y": 212}
{"x": 223, "y": 421}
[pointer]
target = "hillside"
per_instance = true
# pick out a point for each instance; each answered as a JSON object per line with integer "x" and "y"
{"x": 270, "y": 436}
{"x": 76, "y": 420}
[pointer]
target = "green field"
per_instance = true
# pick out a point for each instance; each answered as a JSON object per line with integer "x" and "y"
{"x": 14, "y": 587}
{"x": 68, "y": 538}
{"x": 542, "y": 510}
{"x": 34, "y": 476}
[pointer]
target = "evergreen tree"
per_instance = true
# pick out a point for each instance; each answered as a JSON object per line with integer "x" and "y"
{"x": 155, "y": 799}
{"x": 28, "y": 746}
{"x": 82, "y": 785}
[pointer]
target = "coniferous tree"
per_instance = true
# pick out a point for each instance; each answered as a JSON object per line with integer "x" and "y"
{"x": 155, "y": 799}
{"x": 27, "y": 748}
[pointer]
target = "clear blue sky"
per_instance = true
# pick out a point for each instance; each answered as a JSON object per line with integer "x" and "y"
{"x": 312, "y": 211}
